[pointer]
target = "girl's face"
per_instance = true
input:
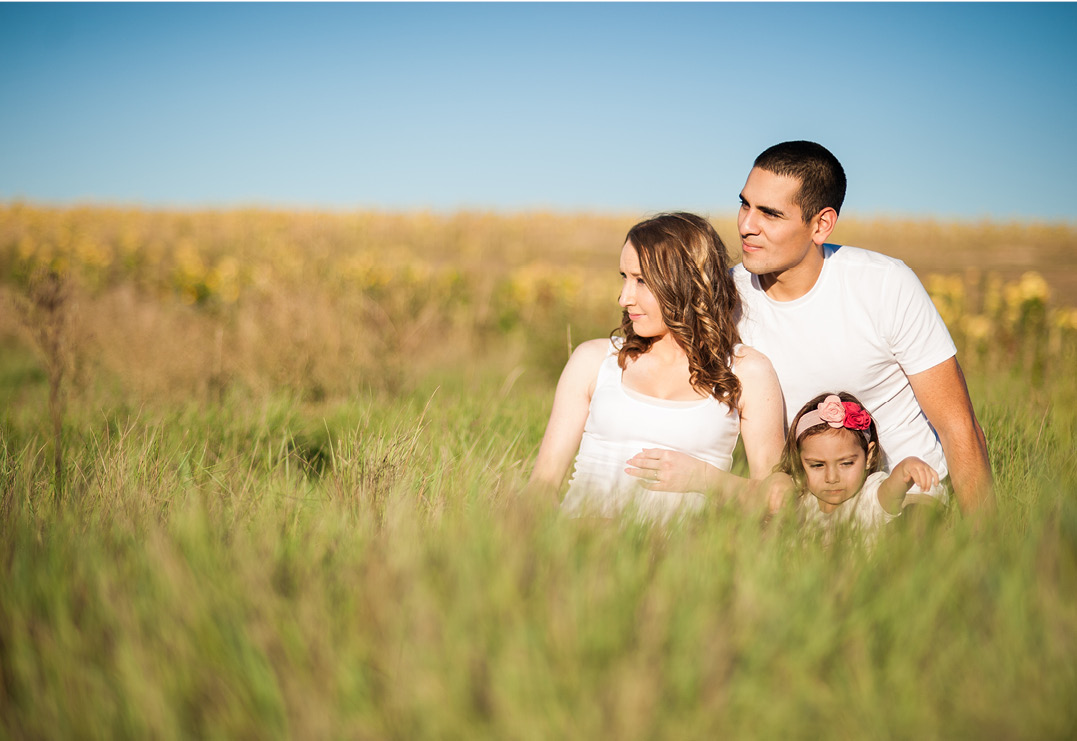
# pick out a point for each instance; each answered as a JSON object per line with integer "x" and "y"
{"x": 835, "y": 466}
{"x": 636, "y": 298}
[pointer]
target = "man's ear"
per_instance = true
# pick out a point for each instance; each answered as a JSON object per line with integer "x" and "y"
{"x": 825, "y": 221}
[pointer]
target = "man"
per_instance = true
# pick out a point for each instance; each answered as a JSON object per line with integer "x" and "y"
{"x": 835, "y": 318}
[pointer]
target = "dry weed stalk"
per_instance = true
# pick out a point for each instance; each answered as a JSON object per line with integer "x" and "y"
{"x": 46, "y": 312}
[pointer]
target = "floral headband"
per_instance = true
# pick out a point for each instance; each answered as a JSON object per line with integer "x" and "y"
{"x": 836, "y": 413}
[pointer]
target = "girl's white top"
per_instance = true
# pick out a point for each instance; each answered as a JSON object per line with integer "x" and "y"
{"x": 621, "y": 423}
{"x": 862, "y": 512}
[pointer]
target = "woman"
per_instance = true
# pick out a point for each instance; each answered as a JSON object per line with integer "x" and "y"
{"x": 652, "y": 414}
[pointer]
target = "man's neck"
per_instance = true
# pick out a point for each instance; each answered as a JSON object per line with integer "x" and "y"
{"x": 794, "y": 282}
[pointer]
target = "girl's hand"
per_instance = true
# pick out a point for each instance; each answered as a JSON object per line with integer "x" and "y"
{"x": 906, "y": 473}
{"x": 668, "y": 470}
{"x": 915, "y": 471}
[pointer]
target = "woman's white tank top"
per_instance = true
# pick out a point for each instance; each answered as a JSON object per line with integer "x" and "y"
{"x": 622, "y": 422}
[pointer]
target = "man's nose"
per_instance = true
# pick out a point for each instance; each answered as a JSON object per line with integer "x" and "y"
{"x": 747, "y": 223}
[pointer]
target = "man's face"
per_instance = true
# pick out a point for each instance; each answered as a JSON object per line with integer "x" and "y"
{"x": 774, "y": 237}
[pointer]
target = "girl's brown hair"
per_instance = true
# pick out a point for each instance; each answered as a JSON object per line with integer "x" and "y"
{"x": 790, "y": 462}
{"x": 686, "y": 267}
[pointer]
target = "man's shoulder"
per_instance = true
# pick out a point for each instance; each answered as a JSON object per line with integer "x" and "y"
{"x": 866, "y": 267}
{"x": 844, "y": 254}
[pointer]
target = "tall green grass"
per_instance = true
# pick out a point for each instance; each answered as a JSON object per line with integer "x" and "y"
{"x": 271, "y": 568}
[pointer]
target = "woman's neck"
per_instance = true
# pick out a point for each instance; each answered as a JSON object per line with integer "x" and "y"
{"x": 666, "y": 350}
{"x": 662, "y": 372}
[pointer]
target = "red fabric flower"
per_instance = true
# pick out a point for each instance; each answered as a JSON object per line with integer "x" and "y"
{"x": 856, "y": 417}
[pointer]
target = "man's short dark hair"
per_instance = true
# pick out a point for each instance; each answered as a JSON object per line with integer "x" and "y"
{"x": 822, "y": 179}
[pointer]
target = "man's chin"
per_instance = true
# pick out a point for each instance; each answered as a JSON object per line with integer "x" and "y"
{"x": 755, "y": 267}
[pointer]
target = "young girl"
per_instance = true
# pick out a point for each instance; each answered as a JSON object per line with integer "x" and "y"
{"x": 832, "y": 452}
{"x": 652, "y": 415}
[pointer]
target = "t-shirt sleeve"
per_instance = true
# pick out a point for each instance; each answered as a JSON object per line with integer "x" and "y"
{"x": 869, "y": 512}
{"x": 917, "y": 335}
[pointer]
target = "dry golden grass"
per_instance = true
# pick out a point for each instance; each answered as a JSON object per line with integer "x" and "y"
{"x": 956, "y": 248}
{"x": 180, "y": 304}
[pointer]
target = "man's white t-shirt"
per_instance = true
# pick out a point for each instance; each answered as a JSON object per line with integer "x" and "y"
{"x": 865, "y": 326}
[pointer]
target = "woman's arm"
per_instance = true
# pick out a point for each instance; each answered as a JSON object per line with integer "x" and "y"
{"x": 564, "y": 431}
{"x": 762, "y": 412}
{"x": 910, "y": 471}
{"x": 762, "y": 427}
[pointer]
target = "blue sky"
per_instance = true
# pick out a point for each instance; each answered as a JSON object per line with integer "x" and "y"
{"x": 962, "y": 110}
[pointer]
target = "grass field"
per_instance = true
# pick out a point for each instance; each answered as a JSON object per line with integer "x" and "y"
{"x": 286, "y": 504}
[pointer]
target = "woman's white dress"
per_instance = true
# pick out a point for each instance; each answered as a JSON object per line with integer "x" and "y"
{"x": 622, "y": 422}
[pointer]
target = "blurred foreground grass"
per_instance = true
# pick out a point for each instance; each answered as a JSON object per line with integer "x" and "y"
{"x": 289, "y": 506}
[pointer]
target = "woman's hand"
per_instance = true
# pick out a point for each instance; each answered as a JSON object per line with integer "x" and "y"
{"x": 776, "y": 490}
{"x": 668, "y": 470}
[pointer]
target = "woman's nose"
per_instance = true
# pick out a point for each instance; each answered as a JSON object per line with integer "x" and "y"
{"x": 626, "y": 298}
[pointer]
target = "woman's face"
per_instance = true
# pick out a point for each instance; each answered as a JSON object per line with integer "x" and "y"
{"x": 636, "y": 298}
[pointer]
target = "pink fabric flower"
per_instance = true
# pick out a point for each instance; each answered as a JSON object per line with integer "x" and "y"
{"x": 832, "y": 411}
{"x": 856, "y": 417}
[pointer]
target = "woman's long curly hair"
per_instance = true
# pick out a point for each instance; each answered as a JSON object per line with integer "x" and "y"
{"x": 686, "y": 267}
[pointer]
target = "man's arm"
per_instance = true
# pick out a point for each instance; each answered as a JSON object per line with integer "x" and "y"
{"x": 944, "y": 397}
